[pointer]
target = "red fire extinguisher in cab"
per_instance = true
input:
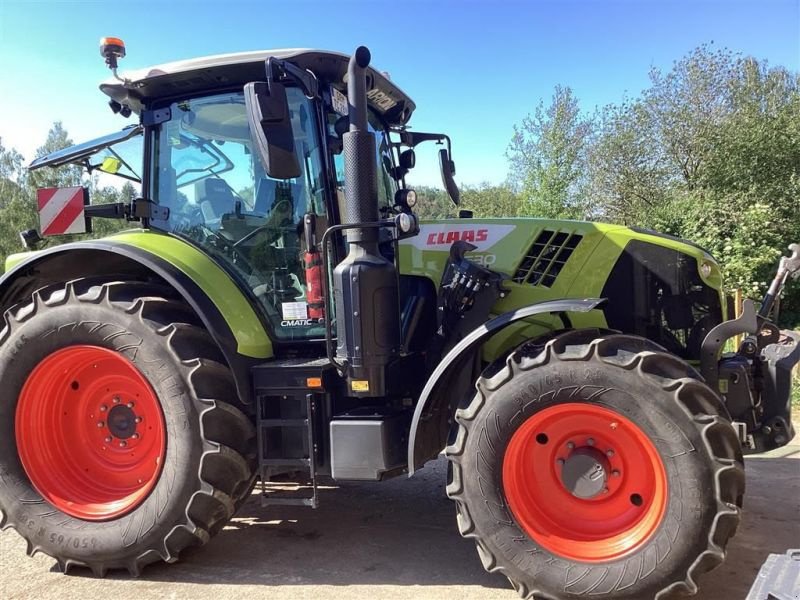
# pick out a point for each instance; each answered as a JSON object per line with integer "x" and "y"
{"x": 314, "y": 272}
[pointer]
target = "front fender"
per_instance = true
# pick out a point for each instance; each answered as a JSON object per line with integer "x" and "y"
{"x": 470, "y": 343}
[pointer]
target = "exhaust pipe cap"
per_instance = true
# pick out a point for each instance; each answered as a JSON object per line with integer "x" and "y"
{"x": 363, "y": 56}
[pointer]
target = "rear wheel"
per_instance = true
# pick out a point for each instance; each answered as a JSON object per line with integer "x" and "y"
{"x": 121, "y": 438}
{"x": 596, "y": 467}
{"x": 90, "y": 432}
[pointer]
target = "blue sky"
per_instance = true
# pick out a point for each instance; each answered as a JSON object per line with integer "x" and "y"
{"x": 473, "y": 68}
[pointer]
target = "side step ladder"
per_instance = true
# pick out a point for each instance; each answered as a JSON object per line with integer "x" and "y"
{"x": 290, "y": 397}
{"x": 275, "y": 493}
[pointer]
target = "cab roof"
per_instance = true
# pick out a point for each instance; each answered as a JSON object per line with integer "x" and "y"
{"x": 189, "y": 77}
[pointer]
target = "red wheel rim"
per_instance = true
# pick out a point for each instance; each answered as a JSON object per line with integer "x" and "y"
{"x": 584, "y": 519}
{"x": 90, "y": 433}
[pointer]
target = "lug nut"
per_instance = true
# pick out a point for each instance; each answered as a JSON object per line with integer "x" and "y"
{"x": 135, "y": 436}
{"x": 115, "y": 400}
{"x": 615, "y": 473}
{"x": 610, "y": 453}
{"x": 130, "y": 405}
{"x": 100, "y": 424}
{"x": 561, "y": 461}
{"x": 605, "y": 490}
{"x": 123, "y": 443}
{"x": 103, "y": 408}
{"x": 109, "y": 439}
{"x": 137, "y": 420}
{"x": 571, "y": 445}
{"x": 590, "y": 441}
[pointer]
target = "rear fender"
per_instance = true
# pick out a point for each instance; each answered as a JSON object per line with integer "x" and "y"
{"x": 430, "y": 398}
{"x": 218, "y": 301}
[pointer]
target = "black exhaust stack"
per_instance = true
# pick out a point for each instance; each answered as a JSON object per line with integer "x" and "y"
{"x": 365, "y": 283}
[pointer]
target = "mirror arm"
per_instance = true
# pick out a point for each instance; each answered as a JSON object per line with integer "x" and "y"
{"x": 281, "y": 70}
{"x": 414, "y": 138}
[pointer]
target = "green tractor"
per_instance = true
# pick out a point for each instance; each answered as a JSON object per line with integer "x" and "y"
{"x": 281, "y": 315}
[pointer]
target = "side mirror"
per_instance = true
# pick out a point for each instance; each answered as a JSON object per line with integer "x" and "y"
{"x": 448, "y": 169}
{"x": 408, "y": 159}
{"x": 271, "y": 128}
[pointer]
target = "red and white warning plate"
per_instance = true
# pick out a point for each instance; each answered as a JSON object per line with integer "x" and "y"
{"x": 61, "y": 210}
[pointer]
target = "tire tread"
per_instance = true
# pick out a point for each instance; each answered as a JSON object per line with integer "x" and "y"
{"x": 649, "y": 361}
{"x": 227, "y": 466}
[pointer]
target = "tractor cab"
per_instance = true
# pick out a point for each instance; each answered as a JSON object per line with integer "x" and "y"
{"x": 200, "y": 170}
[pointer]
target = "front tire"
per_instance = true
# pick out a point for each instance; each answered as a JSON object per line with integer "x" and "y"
{"x": 121, "y": 439}
{"x": 596, "y": 468}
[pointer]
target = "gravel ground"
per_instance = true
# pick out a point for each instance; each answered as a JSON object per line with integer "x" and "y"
{"x": 395, "y": 540}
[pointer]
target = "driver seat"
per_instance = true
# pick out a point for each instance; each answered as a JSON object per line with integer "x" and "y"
{"x": 215, "y": 198}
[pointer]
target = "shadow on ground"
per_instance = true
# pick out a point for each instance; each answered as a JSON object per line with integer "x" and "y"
{"x": 399, "y": 532}
{"x": 403, "y": 532}
{"x": 396, "y": 539}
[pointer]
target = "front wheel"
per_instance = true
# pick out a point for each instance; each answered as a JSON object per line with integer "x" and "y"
{"x": 596, "y": 468}
{"x": 121, "y": 442}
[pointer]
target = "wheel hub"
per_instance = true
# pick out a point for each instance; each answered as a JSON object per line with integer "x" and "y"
{"x": 122, "y": 422}
{"x": 584, "y": 482}
{"x": 585, "y": 473}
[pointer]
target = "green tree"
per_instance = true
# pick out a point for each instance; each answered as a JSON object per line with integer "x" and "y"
{"x": 710, "y": 152}
{"x": 434, "y": 203}
{"x": 685, "y": 106}
{"x": 484, "y": 200}
{"x": 547, "y": 156}
{"x": 16, "y": 204}
{"x": 628, "y": 179}
{"x": 12, "y": 173}
{"x": 488, "y": 200}
{"x": 66, "y": 176}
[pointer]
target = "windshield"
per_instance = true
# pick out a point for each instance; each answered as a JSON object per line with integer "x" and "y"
{"x": 220, "y": 198}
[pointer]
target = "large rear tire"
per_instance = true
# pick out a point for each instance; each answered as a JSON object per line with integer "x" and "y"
{"x": 122, "y": 441}
{"x": 596, "y": 467}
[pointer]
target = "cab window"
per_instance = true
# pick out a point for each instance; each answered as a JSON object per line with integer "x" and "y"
{"x": 219, "y": 197}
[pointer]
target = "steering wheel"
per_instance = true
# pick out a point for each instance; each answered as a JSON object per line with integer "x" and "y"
{"x": 228, "y": 246}
{"x": 264, "y": 227}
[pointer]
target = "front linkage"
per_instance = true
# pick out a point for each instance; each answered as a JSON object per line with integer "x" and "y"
{"x": 756, "y": 381}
